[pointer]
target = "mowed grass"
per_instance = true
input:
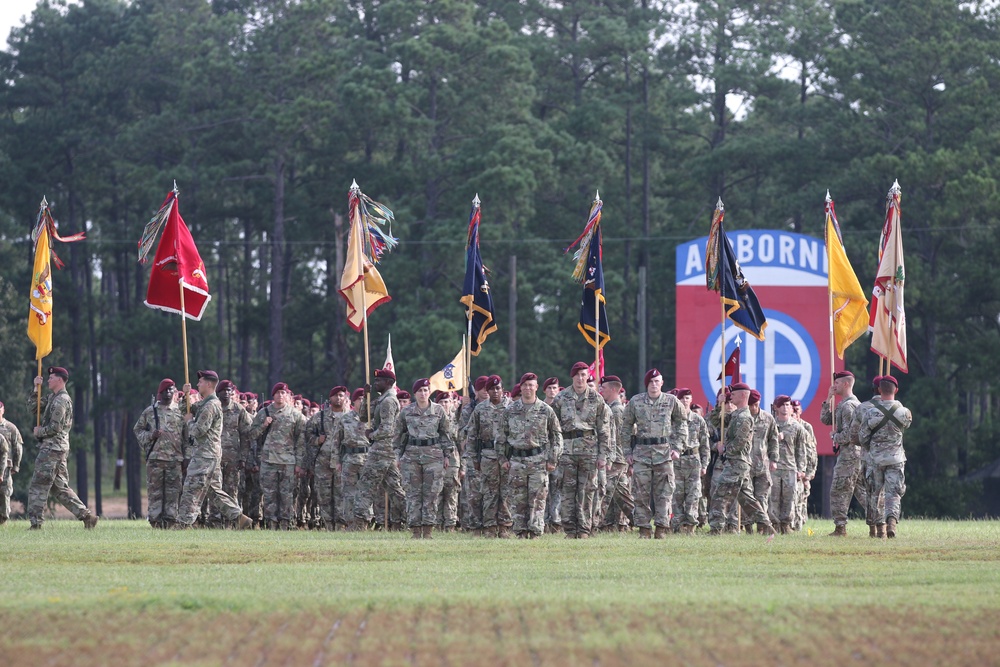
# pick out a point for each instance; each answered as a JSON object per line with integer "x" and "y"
{"x": 138, "y": 596}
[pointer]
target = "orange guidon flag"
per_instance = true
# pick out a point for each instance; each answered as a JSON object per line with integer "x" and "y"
{"x": 361, "y": 285}
{"x": 40, "y": 315}
{"x": 850, "y": 305}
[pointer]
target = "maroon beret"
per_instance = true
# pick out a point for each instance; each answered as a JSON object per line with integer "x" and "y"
{"x": 336, "y": 390}
{"x": 251, "y": 396}
{"x": 358, "y": 393}
{"x": 842, "y": 374}
{"x": 165, "y": 383}
{"x": 515, "y": 391}
{"x": 875, "y": 382}
{"x": 610, "y": 378}
{"x": 695, "y": 406}
{"x": 781, "y": 400}
{"x": 548, "y": 383}
{"x": 673, "y": 392}
{"x": 796, "y": 403}
{"x": 754, "y": 397}
{"x": 577, "y": 367}
{"x": 650, "y": 374}
{"x": 422, "y": 382}
{"x": 494, "y": 381}
{"x": 402, "y": 393}
{"x": 528, "y": 376}
{"x": 60, "y": 371}
{"x": 740, "y": 386}
{"x": 208, "y": 375}
{"x": 480, "y": 382}
{"x": 385, "y": 373}
{"x": 224, "y": 385}
{"x": 682, "y": 392}
{"x": 280, "y": 386}
{"x": 889, "y": 378}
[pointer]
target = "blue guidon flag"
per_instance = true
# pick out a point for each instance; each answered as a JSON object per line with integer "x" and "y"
{"x": 476, "y": 291}
{"x": 724, "y": 275}
{"x": 590, "y": 271}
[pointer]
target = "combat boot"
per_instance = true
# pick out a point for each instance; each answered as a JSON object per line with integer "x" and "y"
{"x": 890, "y": 527}
{"x": 427, "y": 532}
{"x": 872, "y": 530}
{"x": 244, "y": 522}
{"x": 90, "y": 521}
{"x": 660, "y": 533}
{"x": 583, "y": 535}
{"x": 622, "y": 528}
{"x": 644, "y": 533}
{"x": 748, "y": 528}
{"x": 714, "y": 532}
{"x": 504, "y": 533}
{"x": 283, "y": 525}
{"x": 839, "y": 531}
{"x": 783, "y": 528}
{"x": 395, "y": 527}
{"x": 417, "y": 533}
{"x": 765, "y": 529}
{"x": 880, "y": 530}
{"x": 329, "y": 525}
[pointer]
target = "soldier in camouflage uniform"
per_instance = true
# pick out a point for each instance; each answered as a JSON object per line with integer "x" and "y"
{"x": 349, "y": 454}
{"x": 204, "y": 477}
{"x": 847, "y": 479}
{"x": 763, "y": 453}
{"x": 5, "y": 466}
{"x": 661, "y": 434}
{"x": 553, "y": 504}
{"x": 734, "y": 478}
{"x": 585, "y": 421}
{"x": 689, "y": 468}
{"x": 882, "y": 428}
{"x": 618, "y": 504}
{"x": 162, "y": 435}
{"x": 53, "y": 448}
{"x": 484, "y": 432}
{"x": 252, "y": 500}
{"x": 790, "y": 464}
{"x": 236, "y": 424}
{"x": 322, "y": 453}
{"x": 16, "y": 443}
{"x": 874, "y": 508}
{"x": 380, "y": 475}
{"x": 282, "y": 455}
{"x": 451, "y": 477}
{"x": 472, "y": 498}
{"x": 812, "y": 462}
{"x": 529, "y": 442}
{"x": 422, "y": 439}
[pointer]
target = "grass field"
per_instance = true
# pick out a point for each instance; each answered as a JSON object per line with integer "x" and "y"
{"x": 127, "y": 595}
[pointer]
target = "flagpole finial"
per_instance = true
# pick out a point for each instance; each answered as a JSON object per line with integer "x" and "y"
{"x": 720, "y": 206}
{"x": 475, "y": 201}
{"x": 354, "y": 186}
{"x": 597, "y": 196}
{"x": 44, "y": 203}
{"x": 895, "y": 189}
{"x": 828, "y": 198}
{"x": 176, "y": 191}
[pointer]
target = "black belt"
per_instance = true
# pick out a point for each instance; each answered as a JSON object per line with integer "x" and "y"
{"x": 485, "y": 444}
{"x": 690, "y": 452}
{"x": 525, "y": 453}
{"x": 354, "y": 450}
{"x": 572, "y": 435}
{"x": 651, "y": 441}
{"x": 416, "y": 442}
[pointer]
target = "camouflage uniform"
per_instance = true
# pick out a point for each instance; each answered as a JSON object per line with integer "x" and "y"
{"x": 661, "y": 428}
{"x": 447, "y": 515}
{"x": 472, "y": 497}
{"x": 204, "y": 477}
{"x": 350, "y": 452}
{"x": 252, "y": 495}
{"x": 805, "y": 486}
{"x": 530, "y": 439}
{"x": 236, "y": 424}
{"x": 380, "y": 473}
{"x": 687, "y": 473}
{"x": 422, "y": 439}
{"x": 734, "y": 478}
{"x": 13, "y": 437}
{"x": 585, "y": 421}
{"x": 5, "y": 466}
{"x": 164, "y": 460}
{"x": 847, "y": 479}
{"x": 790, "y": 461}
{"x": 485, "y": 431}
{"x": 874, "y": 506}
{"x": 282, "y": 451}
{"x": 882, "y": 428}
{"x": 50, "y": 465}
{"x": 763, "y": 450}
{"x": 321, "y": 458}
{"x": 618, "y": 504}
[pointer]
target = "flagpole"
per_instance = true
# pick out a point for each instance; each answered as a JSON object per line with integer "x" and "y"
{"x": 829, "y": 294}
{"x": 467, "y": 344}
{"x": 597, "y": 308}
{"x": 722, "y": 339}
{"x": 184, "y": 338}
{"x": 38, "y": 407}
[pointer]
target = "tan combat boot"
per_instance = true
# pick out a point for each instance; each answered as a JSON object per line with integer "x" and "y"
{"x": 880, "y": 530}
{"x": 748, "y": 528}
{"x": 839, "y": 531}
{"x": 661, "y": 533}
{"x": 244, "y": 522}
{"x": 427, "y": 532}
{"x": 89, "y": 521}
{"x": 765, "y": 529}
{"x": 644, "y": 533}
{"x": 872, "y": 530}
{"x": 890, "y": 527}
{"x": 504, "y": 533}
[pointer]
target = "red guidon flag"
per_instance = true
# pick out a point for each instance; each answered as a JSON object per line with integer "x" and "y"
{"x": 177, "y": 264}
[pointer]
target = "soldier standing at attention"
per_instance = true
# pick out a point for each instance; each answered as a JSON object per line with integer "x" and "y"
{"x": 661, "y": 434}
{"x": 585, "y": 421}
{"x": 349, "y": 454}
{"x": 529, "y": 442}
{"x": 689, "y": 468}
{"x": 734, "y": 478}
{"x": 553, "y": 503}
{"x": 5, "y": 466}
{"x": 13, "y": 437}
{"x": 380, "y": 474}
{"x": 847, "y": 479}
{"x": 422, "y": 438}
{"x": 282, "y": 428}
{"x": 320, "y": 446}
{"x": 236, "y": 423}
{"x": 790, "y": 465}
{"x": 763, "y": 453}
{"x": 472, "y": 499}
{"x": 447, "y": 515}
{"x": 618, "y": 504}
{"x": 162, "y": 435}
{"x": 882, "y": 428}
{"x": 875, "y": 507}
{"x": 204, "y": 426}
{"x": 812, "y": 462}
{"x": 53, "y": 448}
{"x": 485, "y": 431}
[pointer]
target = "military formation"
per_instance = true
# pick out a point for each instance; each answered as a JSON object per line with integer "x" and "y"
{"x": 537, "y": 459}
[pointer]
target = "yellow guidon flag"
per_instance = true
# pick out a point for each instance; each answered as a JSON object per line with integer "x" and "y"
{"x": 849, "y": 316}
{"x": 40, "y": 315}
{"x": 361, "y": 285}
{"x": 452, "y": 376}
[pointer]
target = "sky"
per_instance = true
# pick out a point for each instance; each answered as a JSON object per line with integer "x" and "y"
{"x": 11, "y": 12}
